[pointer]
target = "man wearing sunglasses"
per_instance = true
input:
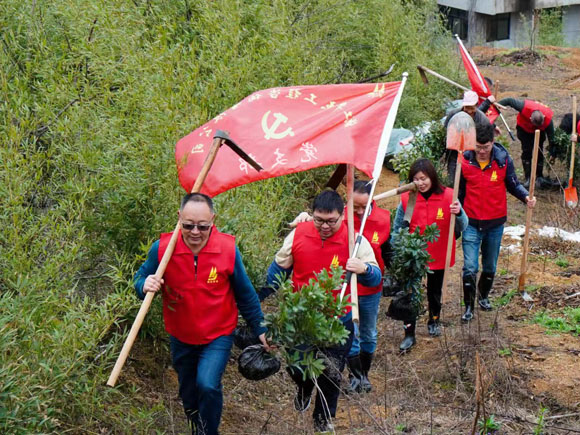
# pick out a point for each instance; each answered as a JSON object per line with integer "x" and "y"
{"x": 204, "y": 286}
{"x": 311, "y": 247}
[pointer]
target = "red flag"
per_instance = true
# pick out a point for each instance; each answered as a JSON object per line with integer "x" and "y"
{"x": 289, "y": 130}
{"x": 478, "y": 83}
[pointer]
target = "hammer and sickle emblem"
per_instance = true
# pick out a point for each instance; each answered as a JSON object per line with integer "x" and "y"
{"x": 270, "y": 132}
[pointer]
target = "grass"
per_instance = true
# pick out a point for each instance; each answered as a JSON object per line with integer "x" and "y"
{"x": 566, "y": 321}
{"x": 562, "y": 262}
{"x": 505, "y": 298}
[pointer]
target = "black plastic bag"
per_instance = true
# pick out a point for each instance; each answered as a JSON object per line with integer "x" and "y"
{"x": 244, "y": 337}
{"x": 255, "y": 363}
{"x": 390, "y": 286}
{"x": 403, "y": 307}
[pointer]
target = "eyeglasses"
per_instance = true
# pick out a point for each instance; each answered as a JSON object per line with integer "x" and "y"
{"x": 483, "y": 148}
{"x": 191, "y": 227}
{"x": 330, "y": 222}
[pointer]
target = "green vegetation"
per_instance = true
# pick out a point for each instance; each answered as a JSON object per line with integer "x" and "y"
{"x": 489, "y": 425}
{"x": 551, "y": 26}
{"x": 567, "y": 321}
{"x": 431, "y": 145}
{"x": 562, "y": 262}
{"x": 309, "y": 316}
{"x": 506, "y": 351}
{"x": 539, "y": 429}
{"x": 93, "y": 97}
{"x": 505, "y": 298}
{"x": 410, "y": 262}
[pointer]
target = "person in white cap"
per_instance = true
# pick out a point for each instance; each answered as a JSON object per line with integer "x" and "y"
{"x": 468, "y": 105}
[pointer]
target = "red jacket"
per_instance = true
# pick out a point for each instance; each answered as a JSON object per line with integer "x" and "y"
{"x": 377, "y": 232}
{"x": 530, "y": 106}
{"x": 198, "y": 300}
{"x": 311, "y": 254}
{"x": 429, "y": 211}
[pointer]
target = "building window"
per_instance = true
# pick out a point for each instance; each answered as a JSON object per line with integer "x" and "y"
{"x": 456, "y": 20}
{"x": 498, "y": 27}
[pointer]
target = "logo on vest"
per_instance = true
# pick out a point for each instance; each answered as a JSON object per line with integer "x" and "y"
{"x": 439, "y": 214}
{"x": 493, "y": 176}
{"x": 213, "y": 277}
{"x": 375, "y": 238}
{"x": 334, "y": 262}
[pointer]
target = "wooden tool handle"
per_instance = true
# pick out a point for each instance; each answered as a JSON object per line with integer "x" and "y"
{"x": 397, "y": 191}
{"x": 529, "y": 211}
{"x": 350, "y": 221}
{"x": 573, "y": 150}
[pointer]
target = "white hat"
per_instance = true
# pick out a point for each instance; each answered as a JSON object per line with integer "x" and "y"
{"x": 470, "y": 98}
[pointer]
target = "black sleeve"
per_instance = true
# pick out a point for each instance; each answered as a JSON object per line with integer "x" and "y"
{"x": 461, "y": 192}
{"x": 387, "y": 252}
{"x": 514, "y": 103}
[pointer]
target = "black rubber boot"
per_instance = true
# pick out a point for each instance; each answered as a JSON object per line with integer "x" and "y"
{"x": 484, "y": 287}
{"x": 409, "y": 340}
{"x": 433, "y": 326}
{"x": 527, "y": 165}
{"x": 468, "y": 297}
{"x": 355, "y": 375}
{"x": 366, "y": 360}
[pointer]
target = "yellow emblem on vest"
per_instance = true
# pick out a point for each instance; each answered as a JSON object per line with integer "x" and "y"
{"x": 212, "y": 278}
{"x": 493, "y": 176}
{"x": 334, "y": 262}
{"x": 375, "y": 238}
{"x": 439, "y": 214}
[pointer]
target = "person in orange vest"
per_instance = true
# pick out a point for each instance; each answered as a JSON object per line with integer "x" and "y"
{"x": 487, "y": 174}
{"x": 204, "y": 286}
{"x": 377, "y": 231}
{"x": 434, "y": 204}
{"x": 312, "y": 246}
{"x": 532, "y": 116}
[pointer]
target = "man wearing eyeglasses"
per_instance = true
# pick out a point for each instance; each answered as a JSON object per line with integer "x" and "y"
{"x": 486, "y": 175}
{"x": 204, "y": 285}
{"x": 311, "y": 247}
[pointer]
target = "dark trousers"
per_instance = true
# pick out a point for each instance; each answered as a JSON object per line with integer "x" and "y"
{"x": 527, "y": 140}
{"x": 434, "y": 285}
{"x": 200, "y": 369}
{"x": 329, "y": 381}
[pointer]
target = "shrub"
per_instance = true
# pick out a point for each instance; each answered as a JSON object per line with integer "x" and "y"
{"x": 307, "y": 320}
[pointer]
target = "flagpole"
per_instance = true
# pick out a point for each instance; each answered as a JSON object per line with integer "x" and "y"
{"x": 383, "y": 144}
{"x": 483, "y": 83}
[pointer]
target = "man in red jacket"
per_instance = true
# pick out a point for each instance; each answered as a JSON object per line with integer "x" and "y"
{"x": 204, "y": 285}
{"x": 487, "y": 174}
{"x": 308, "y": 249}
{"x": 532, "y": 116}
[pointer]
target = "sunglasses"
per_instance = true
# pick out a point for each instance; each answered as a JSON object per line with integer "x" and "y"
{"x": 191, "y": 227}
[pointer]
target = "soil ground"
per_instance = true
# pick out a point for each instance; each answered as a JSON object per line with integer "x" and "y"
{"x": 525, "y": 371}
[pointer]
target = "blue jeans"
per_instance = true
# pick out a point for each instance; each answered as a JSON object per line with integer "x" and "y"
{"x": 368, "y": 307}
{"x": 200, "y": 369}
{"x": 489, "y": 241}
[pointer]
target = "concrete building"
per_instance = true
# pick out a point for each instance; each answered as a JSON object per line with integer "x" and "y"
{"x": 507, "y": 23}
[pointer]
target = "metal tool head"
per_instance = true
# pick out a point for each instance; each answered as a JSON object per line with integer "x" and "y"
{"x": 423, "y": 75}
{"x": 235, "y": 148}
{"x": 461, "y": 132}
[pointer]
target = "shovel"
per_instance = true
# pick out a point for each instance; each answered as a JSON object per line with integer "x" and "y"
{"x": 570, "y": 193}
{"x": 460, "y": 137}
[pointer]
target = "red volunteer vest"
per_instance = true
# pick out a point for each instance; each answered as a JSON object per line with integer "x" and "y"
{"x": 485, "y": 191}
{"x": 199, "y": 306}
{"x": 433, "y": 210}
{"x": 377, "y": 231}
{"x": 530, "y": 106}
{"x": 311, "y": 254}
